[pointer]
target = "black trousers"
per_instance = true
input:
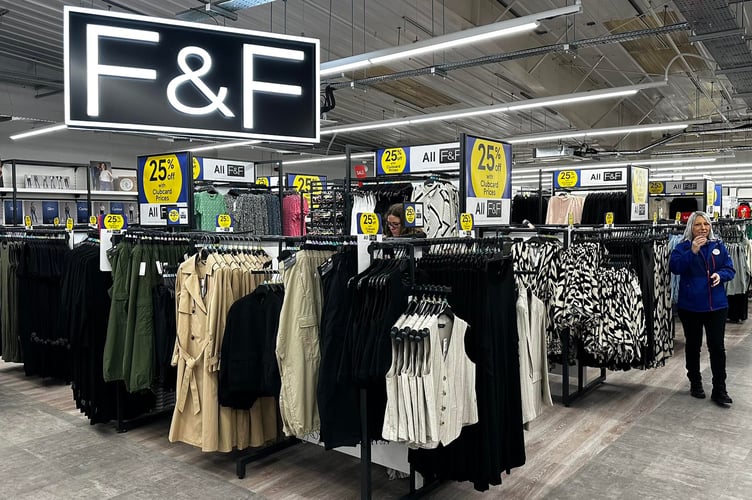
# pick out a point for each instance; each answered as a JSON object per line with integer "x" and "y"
{"x": 714, "y": 323}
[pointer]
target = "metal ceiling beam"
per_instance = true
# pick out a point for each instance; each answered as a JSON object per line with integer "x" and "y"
{"x": 518, "y": 54}
{"x": 734, "y": 71}
{"x": 714, "y": 35}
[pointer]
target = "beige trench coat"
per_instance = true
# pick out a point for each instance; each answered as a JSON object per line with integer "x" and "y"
{"x": 198, "y": 419}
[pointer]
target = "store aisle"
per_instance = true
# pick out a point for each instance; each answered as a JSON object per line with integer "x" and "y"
{"x": 46, "y": 453}
{"x": 640, "y": 435}
{"x": 686, "y": 448}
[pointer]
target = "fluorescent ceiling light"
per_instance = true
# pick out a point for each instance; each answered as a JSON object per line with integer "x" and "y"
{"x": 223, "y": 145}
{"x": 590, "y": 95}
{"x": 586, "y": 165}
{"x": 458, "y": 38}
{"x": 468, "y": 38}
{"x": 38, "y": 131}
{"x": 328, "y": 158}
{"x": 555, "y": 136}
{"x": 726, "y": 167}
{"x": 731, "y": 176}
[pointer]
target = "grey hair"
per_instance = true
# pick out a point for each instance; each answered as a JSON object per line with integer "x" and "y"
{"x": 691, "y": 221}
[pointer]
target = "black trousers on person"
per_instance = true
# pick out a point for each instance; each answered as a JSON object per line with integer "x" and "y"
{"x": 714, "y": 323}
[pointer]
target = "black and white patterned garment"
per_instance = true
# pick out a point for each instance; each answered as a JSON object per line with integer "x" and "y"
{"x": 574, "y": 298}
{"x": 618, "y": 337}
{"x": 441, "y": 203}
{"x": 662, "y": 316}
{"x": 574, "y": 293}
{"x": 536, "y": 264}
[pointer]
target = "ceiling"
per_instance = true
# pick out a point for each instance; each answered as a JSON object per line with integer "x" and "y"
{"x": 611, "y": 43}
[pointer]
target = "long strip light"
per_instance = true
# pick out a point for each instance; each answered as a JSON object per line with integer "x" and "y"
{"x": 672, "y": 161}
{"x": 38, "y": 131}
{"x": 722, "y": 167}
{"x": 443, "y": 42}
{"x": 328, "y": 158}
{"x": 555, "y": 136}
{"x": 472, "y": 35}
{"x": 223, "y": 145}
{"x": 590, "y": 95}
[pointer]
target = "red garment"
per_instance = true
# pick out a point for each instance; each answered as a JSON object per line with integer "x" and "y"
{"x": 293, "y": 218}
{"x": 743, "y": 212}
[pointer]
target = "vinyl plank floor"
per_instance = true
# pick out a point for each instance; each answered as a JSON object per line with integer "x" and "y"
{"x": 640, "y": 435}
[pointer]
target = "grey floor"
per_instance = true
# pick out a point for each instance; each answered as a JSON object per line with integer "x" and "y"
{"x": 638, "y": 436}
{"x": 49, "y": 454}
{"x": 686, "y": 448}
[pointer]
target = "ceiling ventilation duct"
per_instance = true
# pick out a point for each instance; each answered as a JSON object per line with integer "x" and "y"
{"x": 715, "y": 25}
{"x": 226, "y": 9}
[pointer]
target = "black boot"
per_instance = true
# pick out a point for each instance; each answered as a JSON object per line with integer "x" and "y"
{"x": 696, "y": 390}
{"x": 721, "y": 397}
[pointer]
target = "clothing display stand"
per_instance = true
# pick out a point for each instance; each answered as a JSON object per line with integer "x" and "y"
{"x": 261, "y": 453}
{"x": 327, "y": 209}
{"x": 266, "y": 451}
{"x": 583, "y": 386}
{"x": 123, "y": 424}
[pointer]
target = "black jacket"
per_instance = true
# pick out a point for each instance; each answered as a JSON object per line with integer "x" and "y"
{"x": 248, "y": 366}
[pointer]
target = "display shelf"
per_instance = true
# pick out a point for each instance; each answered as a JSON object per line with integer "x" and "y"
{"x": 114, "y": 194}
{"x": 55, "y": 192}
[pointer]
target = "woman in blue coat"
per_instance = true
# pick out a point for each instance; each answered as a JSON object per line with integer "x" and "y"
{"x": 704, "y": 265}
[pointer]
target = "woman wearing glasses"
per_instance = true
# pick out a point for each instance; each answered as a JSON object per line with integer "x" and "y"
{"x": 394, "y": 223}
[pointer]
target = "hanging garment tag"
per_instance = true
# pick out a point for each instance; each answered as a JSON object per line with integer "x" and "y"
{"x": 160, "y": 269}
{"x": 445, "y": 346}
{"x": 142, "y": 269}
{"x": 326, "y": 267}
{"x": 203, "y": 287}
{"x": 290, "y": 261}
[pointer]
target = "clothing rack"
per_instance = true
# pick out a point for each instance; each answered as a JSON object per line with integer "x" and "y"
{"x": 365, "y": 446}
{"x": 260, "y": 453}
{"x": 445, "y": 176}
{"x": 328, "y": 202}
{"x": 122, "y": 424}
{"x": 583, "y": 386}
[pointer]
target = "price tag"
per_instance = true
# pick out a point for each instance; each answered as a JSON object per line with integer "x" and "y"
{"x": 93, "y": 222}
{"x": 655, "y": 217}
{"x": 567, "y": 178}
{"x": 716, "y": 215}
{"x": 570, "y": 218}
{"x": 414, "y": 215}
{"x": 656, "y": 187}
{"x": 173, "y": 215}
{"x": 56, "y": 221}
{"x": 368, "y": 223}
{"x": 488, "y": 169}
{"x": 609, "y": 219}
{"x": 466, "y": 221}
{"x": 677, "y": 220}
{"x": 27, "y": 222}
{"x": 262, "y": 181}
{"x": 114, "y": 222}
{"x": 163, "y": 179}
{"x": 393, "y": 161}
{"x": 69, "y": 224}
{"x": 224, "y": 223}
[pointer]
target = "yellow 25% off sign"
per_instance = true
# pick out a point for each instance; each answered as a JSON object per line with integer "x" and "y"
{"x": 488, "y": 169}
{"x": 369, "y": 223}
{"x": 162, "y": 179}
